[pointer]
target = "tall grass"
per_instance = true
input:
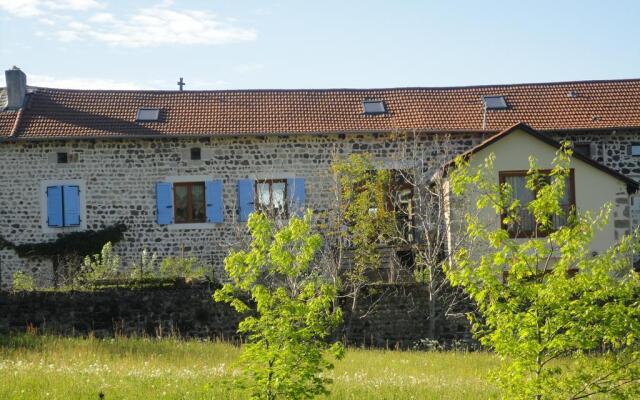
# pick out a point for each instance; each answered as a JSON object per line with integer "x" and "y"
{"x": 50, "y": 367}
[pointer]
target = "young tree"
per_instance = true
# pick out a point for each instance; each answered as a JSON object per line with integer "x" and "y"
{"x": 361, "y": 225}
{"x": 418, "y": 198}
{"x": 291, "y": 306}
{"x": 399, "y": 212}
{"x": 566, "y": 322}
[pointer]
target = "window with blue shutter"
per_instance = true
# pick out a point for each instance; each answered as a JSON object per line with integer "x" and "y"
{"x": 245, "y": 198}
{"x": 54, "y": 206}
{"x": 215, "y": 210}
{"x": 71, "y": 205}
{"x": 164, "y": 203}
{"x": 63, "y": 206}
{"x": 296, "y": 194}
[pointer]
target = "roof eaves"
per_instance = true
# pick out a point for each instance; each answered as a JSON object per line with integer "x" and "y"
{"x": 632, "y": 185}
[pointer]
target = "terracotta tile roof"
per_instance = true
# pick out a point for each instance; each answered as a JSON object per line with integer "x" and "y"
{"x": 546, "y": 106}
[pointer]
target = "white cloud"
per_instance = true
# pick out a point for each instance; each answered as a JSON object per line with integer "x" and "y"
{"x": 147, "y": 27}
{"x": 31, "y": 8}
{"x": 81, "y": 83}
{"x": 101, "y": 18}
{"x": 159, "y": 25}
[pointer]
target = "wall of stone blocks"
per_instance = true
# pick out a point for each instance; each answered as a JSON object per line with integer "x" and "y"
{"x": 120, "y": 177}
{"x": 397, "y": 320}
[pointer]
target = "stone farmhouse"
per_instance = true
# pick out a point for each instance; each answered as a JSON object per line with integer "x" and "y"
{"x": 183, "y": 169}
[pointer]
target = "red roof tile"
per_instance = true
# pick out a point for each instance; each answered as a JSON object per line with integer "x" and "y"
{"x": 64, "y": 113}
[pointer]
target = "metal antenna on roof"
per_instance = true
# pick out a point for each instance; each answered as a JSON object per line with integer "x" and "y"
{"x": 181, "y": 83}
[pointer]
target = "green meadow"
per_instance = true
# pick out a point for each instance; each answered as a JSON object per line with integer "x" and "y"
{"x": 51, "y": 367}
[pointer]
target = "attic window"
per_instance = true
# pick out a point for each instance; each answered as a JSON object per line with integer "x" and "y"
{"x": 494, "y": 102}
{"x": 148, "y": 114}
{"x": 374, "y": 107}
{"x": 196, "y": 153}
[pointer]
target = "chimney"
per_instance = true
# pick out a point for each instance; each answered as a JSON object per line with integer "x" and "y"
{"x": 16, "y": 88}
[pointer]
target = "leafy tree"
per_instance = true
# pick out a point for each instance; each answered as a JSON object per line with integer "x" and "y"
{"x": 291, "y": 308}
{"x": 363, "y": 223}
{"x": 566, "y": 322}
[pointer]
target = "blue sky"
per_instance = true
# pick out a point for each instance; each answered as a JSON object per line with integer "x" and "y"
{"x": 219, "y": 44}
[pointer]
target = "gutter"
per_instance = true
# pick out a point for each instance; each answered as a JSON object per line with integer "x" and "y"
{"x": 13, "y": 138}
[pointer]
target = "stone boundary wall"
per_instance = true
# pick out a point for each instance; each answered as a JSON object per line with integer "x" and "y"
{"x": 398, "y": 319}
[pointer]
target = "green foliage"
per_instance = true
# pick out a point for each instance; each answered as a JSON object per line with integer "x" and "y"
{"x": 189, "y": 268}
{"x": 363, "y": 206}
{"x": 74, "y": 243}
{"x": 22, "y": 282}
{"x": 68, "y": 246}
{"x": 561, "y": 335}
{"x": 292, "y": 310}
{"x": 104, "y": 265}
{"x": 146, "y": 268}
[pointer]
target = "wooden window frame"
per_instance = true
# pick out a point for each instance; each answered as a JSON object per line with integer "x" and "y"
{"x": 190, "y": 216}
{"x": 269, "y": 209}
{"x": 525, "y": 173}
{"x": 399, "y": 183}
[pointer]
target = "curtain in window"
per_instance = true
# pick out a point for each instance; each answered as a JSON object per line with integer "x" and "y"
{"x": 520, "y": 192}
{"x": 565, "y": 205}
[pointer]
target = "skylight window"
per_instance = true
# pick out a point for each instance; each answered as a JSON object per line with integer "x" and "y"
{"x": 148, "y": 114}
{"x": 374, "y": 107}
{"x": 494, "y": 102}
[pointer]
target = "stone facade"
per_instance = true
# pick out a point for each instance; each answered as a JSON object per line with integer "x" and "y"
{"x": 118, "y": 177}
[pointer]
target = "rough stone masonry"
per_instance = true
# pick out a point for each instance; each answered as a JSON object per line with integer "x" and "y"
{"x": 119, "y": 176}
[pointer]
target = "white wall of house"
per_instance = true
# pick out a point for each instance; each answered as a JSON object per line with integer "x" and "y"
{"x": 593, "y": 187}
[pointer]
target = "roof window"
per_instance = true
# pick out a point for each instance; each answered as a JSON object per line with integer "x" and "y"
{"x": 373, "y": 107}
{"x": 148, "y": 114}
{"x": 494, "y": 102}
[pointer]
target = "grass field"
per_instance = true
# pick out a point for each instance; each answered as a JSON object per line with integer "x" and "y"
{"x": 48, "y": 367}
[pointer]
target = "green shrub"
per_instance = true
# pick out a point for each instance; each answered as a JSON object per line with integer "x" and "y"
{"x": 190, "y": 268}
{"x": 99, "y": 266}
{"x": 22, "y": 282}
{"x": 146, "y": 268}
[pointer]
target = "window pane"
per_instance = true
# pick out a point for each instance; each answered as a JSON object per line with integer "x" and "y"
{"x": 263, "y": 195}
{"x": 198, "y": 202}
{"x": 277, "y": 193}
{"x": 181, "y": 206}
{"x": 520, "y": 192}
{"x": 565, "y": 205}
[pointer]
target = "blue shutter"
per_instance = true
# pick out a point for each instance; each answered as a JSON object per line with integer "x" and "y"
{"x": 295, "y": 191}
{"x": 71, "y": 205}
{"x": 214, "y": 201}
{"x": 245, "y": 198}
{"x": 164, "y": 203}
{"x": 54, "y": 206}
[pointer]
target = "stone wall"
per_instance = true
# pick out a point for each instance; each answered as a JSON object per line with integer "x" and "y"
{"x": 119, "y": 178}
{"x": 189, "y": 311}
